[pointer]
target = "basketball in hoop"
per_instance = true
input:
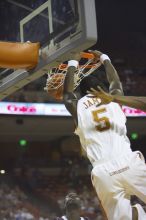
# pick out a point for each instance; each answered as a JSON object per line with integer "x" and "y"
{"x": 56, "y": 76}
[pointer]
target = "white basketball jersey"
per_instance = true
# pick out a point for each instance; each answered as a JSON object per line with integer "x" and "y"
{"x": 101, "y": 129}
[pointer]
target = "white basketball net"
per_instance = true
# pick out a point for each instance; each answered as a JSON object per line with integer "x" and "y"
{"x": 56, "y": 76}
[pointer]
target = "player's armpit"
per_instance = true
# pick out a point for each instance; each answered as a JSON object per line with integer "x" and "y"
{"x": 70, "y": 101}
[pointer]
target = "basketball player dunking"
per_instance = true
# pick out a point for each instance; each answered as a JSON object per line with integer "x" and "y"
{"x": 117, "y": 172}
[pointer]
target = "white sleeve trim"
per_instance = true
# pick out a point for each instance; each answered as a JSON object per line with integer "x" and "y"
{"x": 74, "y": 63}
{"x": 104, "y": 57}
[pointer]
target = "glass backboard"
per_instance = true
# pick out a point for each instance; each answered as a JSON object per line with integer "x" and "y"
{"x": 61, "y": 26}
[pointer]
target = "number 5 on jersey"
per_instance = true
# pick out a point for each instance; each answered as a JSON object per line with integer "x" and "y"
{"x": 103, "y": 123}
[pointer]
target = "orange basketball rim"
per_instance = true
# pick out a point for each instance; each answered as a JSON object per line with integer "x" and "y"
{"x": 56, "y": 75}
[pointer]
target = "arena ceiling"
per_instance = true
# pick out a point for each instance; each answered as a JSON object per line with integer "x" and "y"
{"x": 122, "y": 30}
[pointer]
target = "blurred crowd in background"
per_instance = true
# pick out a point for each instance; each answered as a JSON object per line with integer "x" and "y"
{"x": 38, "y": 194}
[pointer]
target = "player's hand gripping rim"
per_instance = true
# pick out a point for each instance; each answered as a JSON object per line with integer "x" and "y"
{"x": 96, "y": 54}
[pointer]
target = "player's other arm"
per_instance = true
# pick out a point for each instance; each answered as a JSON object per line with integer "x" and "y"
{"x": 111, "y": 73}
{"x": 131, "y": 101}
{"x": 70, "y": 99}
{"x": 113, "y": 78}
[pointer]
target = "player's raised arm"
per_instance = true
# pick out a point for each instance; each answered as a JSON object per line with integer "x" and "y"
{"x": 131, "y": 101}
{"x": 112, "y": 75}
{"x": 69, "y": 97}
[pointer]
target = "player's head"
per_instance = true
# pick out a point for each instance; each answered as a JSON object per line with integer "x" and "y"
{"x": 89, "y": 82}
{"x": 72, "y": 206}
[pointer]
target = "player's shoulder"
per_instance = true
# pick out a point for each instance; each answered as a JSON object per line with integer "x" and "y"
{"x": 116, "y": 105}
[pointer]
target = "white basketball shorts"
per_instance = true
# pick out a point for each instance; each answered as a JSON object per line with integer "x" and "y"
{"x": 116, "y": 180}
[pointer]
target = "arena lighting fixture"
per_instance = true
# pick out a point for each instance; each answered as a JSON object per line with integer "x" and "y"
{"x": 2, "y": 171}
{"x": 134, "y": 136}
{"x": 22, "y": 142}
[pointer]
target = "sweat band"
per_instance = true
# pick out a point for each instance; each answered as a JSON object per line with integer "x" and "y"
{"x": 74, "y": 63}
{"x": 104, "y": 57}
